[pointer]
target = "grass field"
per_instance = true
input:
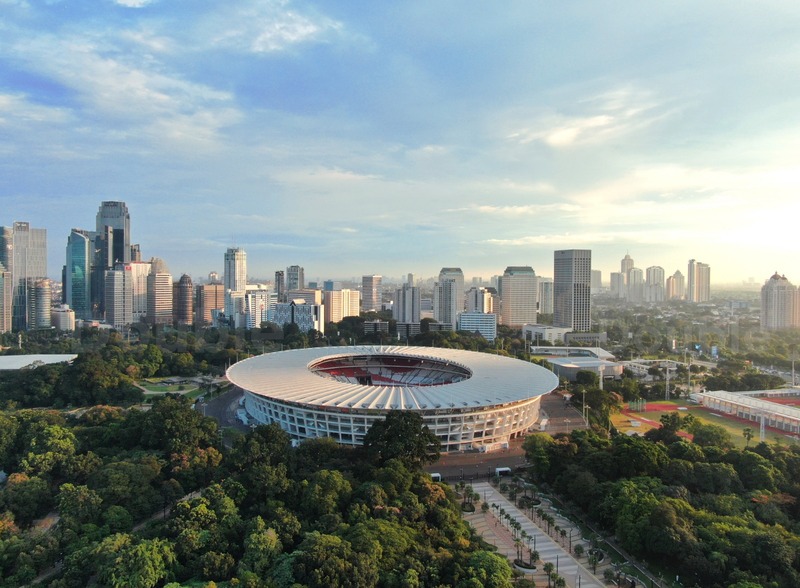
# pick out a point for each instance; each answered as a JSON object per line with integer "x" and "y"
{"x": 649, "y": 418}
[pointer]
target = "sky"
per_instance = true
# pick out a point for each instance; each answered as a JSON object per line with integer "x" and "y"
{"x": 381, "y": 137}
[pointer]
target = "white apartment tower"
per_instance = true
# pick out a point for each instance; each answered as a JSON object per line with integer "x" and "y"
{"x": 699, "y": 282}
{"x": 448, "y": 296}
{"x": 159, "y": 293}
{"x": 480, "y": 300}
{"x": 340, "y": 303}
{"x": 654, "y": 284}
{"x": 406, "y": 307}
{"x": 119, "y": 296}
{"x": 779, "y": 304}
{"x": 518, "y": 295}
{"x": 676, "y": 286}
{"x": 572, "y": 300}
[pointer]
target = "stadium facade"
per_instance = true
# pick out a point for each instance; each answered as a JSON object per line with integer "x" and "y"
{"x": 470, "y": 400}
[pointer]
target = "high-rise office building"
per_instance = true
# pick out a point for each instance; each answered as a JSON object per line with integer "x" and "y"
{"x": 183, "y": 301}
{"x": 235, "y": 281}
{"x": 406, "y": 307}
{"x": 676, "y": 286}
{"x": 6, "y": 297}
{"x": 371, "y": 293}
{"x": 295, "y": 278}
{"x": 235, "y": 273}
{"x": 23, "y": 252}
{"x": 78, "y": 273}
{"x": 455, "y": 274}
{"x": 115, "y": 215}
{"x": 39, "y": 303}
{"x": 572, "y": 300}
{"x": 698, "y": 288}
{"x": 119, "y": 296}
{"x": 518, "y": 296}
{"x": 780, "y": 304}
{"x": 280, "y": 285}
{"x": 210, "y": 297}
{"x": 159, "y": 293}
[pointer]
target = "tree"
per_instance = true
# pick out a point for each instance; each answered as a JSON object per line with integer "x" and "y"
{"x": 491, "y": 569}
{"x": 123, "y": 563}
{"x": 402, "y": 435}
{"x": 327, "y": 561}
{"x": 747, "y": 433}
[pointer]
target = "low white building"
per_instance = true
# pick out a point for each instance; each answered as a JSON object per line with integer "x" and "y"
{"x": 539, "y": 333}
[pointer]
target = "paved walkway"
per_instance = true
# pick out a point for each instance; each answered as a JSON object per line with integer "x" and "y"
{"x": 495, "y": 532}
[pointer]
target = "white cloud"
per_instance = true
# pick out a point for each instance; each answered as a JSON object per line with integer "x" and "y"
{"x": 16, "y": 109}
{"x": 602, "y": 117}
{"x": 265, "y": 27}
{"x": 133, "y": 3}
{"x": 516, "y": 210}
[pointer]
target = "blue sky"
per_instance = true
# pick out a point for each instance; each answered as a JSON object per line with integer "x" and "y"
{"x": 357, "y": 137}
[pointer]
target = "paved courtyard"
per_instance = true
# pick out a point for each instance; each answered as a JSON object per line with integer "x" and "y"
{"x": 576, "y": 573}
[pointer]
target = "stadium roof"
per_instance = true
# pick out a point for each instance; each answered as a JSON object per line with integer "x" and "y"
{"x": 17, "y": 362}
{"x": 494, "y": 380}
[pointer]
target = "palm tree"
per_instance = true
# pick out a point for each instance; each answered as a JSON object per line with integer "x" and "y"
{"x": 563, "y": 536}
{"x": 578, "y": 549}
{"x": 548, "y": 569}
{"x": 747, "y": 433}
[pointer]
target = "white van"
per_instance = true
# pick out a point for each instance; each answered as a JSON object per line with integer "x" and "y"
{"x": 502, "y": 472}
{"x": 436, "y": 477}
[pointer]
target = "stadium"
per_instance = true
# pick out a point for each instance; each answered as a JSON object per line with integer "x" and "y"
{"x": 471, "y": 401}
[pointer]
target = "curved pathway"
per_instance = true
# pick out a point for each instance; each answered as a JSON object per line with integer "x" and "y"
{"x": 493, "y": 531}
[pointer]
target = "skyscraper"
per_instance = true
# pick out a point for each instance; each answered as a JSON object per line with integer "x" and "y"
{"x": 406, "y": 307}
{"x": 280, "y": 285}
{"x": 183, "y": 301}
{"x": 699, "y": 282}
{"x": 295, "y": 278}
{"x": 115, "y": 215}
{"x": 545, "y": 295}
{"x": 340, "y": 303}
{"x": 235, "y": 280}
{"x": 780, "y": 304}
{"x": 518, "y": 296}
{"x": 119, "y": 296}
{"x": 210, "y": 297}
{"x": 78, "y": 282}
{"x": 159, "y": 293}
{"x": 235, "y": 273}
{"x": 6, "y": 296}
{"x": 676, "y": 286}
{"x": 371, "y": 293}
{"x": 572, "y": 300}
{"x": 23, "y": 252}
{"x": 455, "y": 274}
{"x": 654, "y": 284}
{"x": 480, "y": 300}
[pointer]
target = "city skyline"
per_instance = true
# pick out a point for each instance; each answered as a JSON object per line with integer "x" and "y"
{"x": 668, "y": 131}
